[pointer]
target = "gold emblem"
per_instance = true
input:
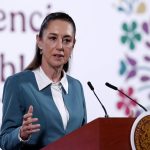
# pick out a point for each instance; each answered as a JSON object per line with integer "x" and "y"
{"x": 142, "y": 134}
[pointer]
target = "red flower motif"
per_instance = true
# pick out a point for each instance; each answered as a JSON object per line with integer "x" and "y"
{"x": 125, "y": 103}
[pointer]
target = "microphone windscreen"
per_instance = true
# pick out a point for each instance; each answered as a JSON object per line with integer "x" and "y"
{"x": 111, "y": 86}
{"x": 90, "y": 85}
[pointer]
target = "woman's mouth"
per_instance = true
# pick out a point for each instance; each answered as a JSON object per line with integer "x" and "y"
{"x": 58, "y": 55}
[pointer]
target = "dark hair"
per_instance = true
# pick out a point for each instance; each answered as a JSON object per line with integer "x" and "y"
{"x": 36, "y": 62}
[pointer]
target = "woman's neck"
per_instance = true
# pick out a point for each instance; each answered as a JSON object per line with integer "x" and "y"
{"x": 53, "y": 74}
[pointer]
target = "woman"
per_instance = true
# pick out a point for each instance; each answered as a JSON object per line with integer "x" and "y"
{"x": 43, "y": 103}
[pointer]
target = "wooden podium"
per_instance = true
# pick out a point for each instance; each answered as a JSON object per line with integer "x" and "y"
{"x": 100, "y": 134}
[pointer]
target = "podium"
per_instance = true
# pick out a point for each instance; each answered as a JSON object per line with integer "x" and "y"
{"x": 100, "y": 134}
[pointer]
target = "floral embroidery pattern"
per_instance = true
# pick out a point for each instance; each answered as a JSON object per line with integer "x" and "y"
{"x": 131, "y": 35}
{"x": 130, "y": 6}
{"x": 128, "y": 63}
{"x": 126, "y": 103}
{"x": 132, "y": 67}
{"x": 146, "y": 29}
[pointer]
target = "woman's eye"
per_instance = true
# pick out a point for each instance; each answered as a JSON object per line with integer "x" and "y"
{"x": 67, "y": 40}
{"x": 52, "y": 38}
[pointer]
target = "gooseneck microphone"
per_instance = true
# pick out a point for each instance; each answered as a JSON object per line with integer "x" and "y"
{"x": 92, "y": 88}
{"x": 115, "y": 88}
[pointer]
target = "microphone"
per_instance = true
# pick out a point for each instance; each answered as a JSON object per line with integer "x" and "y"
{"x": 115, "y": 88}
{"x": 92, "y": 88}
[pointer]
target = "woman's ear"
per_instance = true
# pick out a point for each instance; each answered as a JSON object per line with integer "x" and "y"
{"x": 74, "y": 42}
{"x": 39, "y": 42}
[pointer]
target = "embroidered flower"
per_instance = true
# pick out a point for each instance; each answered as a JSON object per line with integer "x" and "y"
{"x": 131, "y": 35}
{"x": 125, "y": 103}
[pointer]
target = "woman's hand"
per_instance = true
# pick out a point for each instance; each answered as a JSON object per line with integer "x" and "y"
{"x": 27, "y": 127}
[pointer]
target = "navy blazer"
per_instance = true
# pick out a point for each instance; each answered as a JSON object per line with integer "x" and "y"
{"x": 21, "y": 91}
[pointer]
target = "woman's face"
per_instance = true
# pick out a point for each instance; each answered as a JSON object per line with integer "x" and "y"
{"x": 57, "y": 43}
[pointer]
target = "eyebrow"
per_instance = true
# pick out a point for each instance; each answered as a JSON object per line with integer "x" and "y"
{"x": 57, "y": 34}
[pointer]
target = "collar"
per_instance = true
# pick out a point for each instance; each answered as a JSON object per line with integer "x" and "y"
{"x": 43, "y": 80}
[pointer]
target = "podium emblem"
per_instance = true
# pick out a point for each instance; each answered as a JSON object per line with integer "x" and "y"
{"x": 140, "y": 132}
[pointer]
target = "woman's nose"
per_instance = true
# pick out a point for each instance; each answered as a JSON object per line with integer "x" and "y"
{"x": 59, "y": 44}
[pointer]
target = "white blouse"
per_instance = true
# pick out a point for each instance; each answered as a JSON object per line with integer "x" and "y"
{"x": 56, "y": 89}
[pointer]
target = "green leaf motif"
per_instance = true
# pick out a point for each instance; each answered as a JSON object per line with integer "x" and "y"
{"x": 124, "y": 39}
{"x": 122, "y": 68}
{"x": 125, "y": 27}
{"x": 133, "y": 26}
{"x": 132, "y": 45}
{"x": 138, "y": 37}
{"x": 130, "y": 35}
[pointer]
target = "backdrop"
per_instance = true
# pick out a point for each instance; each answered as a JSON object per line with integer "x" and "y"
{"x": 113, "y": 45}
